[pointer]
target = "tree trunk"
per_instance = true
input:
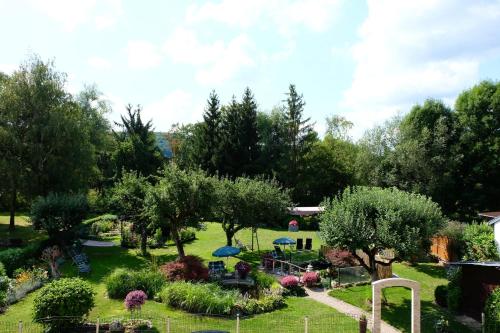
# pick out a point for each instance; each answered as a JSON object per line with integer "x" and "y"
{"x": 178, "y": 243}
{"x": 13, "y": 200}
{"x": 229, "y": 237}
{"x": 373, "y": 268}
{"x": 144, "y": 240}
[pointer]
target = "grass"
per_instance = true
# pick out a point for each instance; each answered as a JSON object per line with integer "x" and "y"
{"x": 23, "y": 229}
{"x": 105, "y": 260}
{"x": 397, "y": 311}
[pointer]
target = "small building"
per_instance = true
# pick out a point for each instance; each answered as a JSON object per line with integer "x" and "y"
{"x": 495, "y": 223}
{"x": 478, "y": 281}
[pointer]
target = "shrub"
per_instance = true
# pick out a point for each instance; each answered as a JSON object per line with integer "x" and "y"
{"x": 129, "y": 238}
{"x": 480, "y": 243}
{"x": 454, "y": 298}
{"x": 268, "y": 302}
{"x": 15, "y": 258}
{"x": 310, "y": 278}
{"x": 4, "y": 286}
{"x": 100, "y": 227}
{"x": 263, "y": 280}
{"x": 187, "y": 235}
{"x": 492, "y": 311}
{"x": 121, "y": 282}
{"x": 441, "y": 295}
{"x": 206, "y": 298}
{"x": 3, "y": 272}
{"x": 243, "y": 268}
{"x": 135, "y": 300}
{"x": 63, "y": 298}
{"x": 189, "y": 268}
{"x": 289, "y": 281}
{"x": 341, "y": 258}
{"x": 58, "y": 214}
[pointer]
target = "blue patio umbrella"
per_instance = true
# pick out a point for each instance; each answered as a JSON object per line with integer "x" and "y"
{"x": 285, "y": 241}
{"x": 226, "y": 251}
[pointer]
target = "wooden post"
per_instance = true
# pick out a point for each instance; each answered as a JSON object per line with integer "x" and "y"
{"x": 238, "y": 323}
{"x": 483, "y": 328}
{"x": 97, "y": 326}
{"x": 306, "y": 324}
{"x": 274, "y": 264}
{"x": 20, "y": 326}
{"x": 168, "y": 325}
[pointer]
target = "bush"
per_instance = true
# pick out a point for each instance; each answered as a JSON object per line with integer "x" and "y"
{"x": 189, "y": 268}
{"x": 58, "y": 214}
{"x": 121, "y": 282}
{"x": 4, "y": 286}
{"x": 492, "y": 311}
{"x": 454, "y": 231}
{"x": 135, "y": 300}
{"x": 206, "y": 298}
{"x": 3, "y": 272}
{"x": 268, "y": 302}
{"x": 289, "y": 281}
{"x": 441, "y": 295}
{"x": 187, "y": 235}
{"x": 102, "y": 227}
{"x": 454, "y": 298}
{"x": 263, "y": 280}
{"x": 310, "y": 278}
{"x": 15, "y": 258}
{"x": 129, "y": 238}
{"x": 63, "y": 298}
{"x": 341, "y": 258}
{"x": 480, "y": 243}
{"x": 243, "y": 269}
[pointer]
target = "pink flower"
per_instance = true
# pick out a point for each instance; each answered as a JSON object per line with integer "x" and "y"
{"x": 135, "y": 299}
{"x": 289, "y": 281}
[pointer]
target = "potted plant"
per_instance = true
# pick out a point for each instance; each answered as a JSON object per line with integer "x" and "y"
{"x": 243, "y": 269}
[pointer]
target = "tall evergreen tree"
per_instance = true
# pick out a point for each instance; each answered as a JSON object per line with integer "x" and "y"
{"x": 230, "y": 144}
{"x": 249, "y": 134}
{"x": 210, "y": 135}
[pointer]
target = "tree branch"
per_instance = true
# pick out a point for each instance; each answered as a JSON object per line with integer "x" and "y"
{"x": 362, "y": 262}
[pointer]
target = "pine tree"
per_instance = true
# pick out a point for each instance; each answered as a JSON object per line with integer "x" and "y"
{"x": 211, "y": 135}
{"x": 231, "y": 139}
{"x": 249, "y": 135}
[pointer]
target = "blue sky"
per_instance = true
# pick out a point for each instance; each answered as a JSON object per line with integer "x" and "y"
{"x": 364, "y": 60}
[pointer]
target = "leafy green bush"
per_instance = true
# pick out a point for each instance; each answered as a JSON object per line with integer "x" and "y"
{"x": 268, "y": 302}
{"x": 454, "y": 299}
{"x": 99, "y": 227}
{"x": 3, "y": 272}
{"x": 187, "y": 235}
{"x": 206, "y": 298}
{"x": 454, "y": 231}
{"x": 263, "y": 280}
{"x": 492, "y": 312}
{"x": 121, "y": 282}
{"x": 101, "y": 218}
{"x": 129, "y": 238}
{"x": 15, "y": 258}
{"x": 4, "y": 286}
{"x": 58, "y": 214}
{"x": 441, "y": 295}
{"x": 72, "y": 298}
{"x": 480, "y": 243}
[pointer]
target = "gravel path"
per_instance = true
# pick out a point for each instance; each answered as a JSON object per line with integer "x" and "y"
{"x": 322, "y": 296}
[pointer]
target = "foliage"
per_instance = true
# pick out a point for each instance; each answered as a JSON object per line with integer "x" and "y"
{"x": 58, "y": 214}
{"x": 206, "y": 298}
{"x": 262, "y": 280}
{"x": 179, "y": 200}
{"x": 454, "y": 231}
{"x": 129, "y": 239}
{"x": 211, "y": 136}
{"x": 50, "y": 255}
{"x": 441, "y": 295}
{"x": 374, "y": 219}
{"x": 309, "y": 279}
{"x": 135, "y": 300}
{"x": 4, "y": 286}
{"x": 454, "y": 300}
{"x": 15, "y": 258}
{"x": 120, "y": 282}
{"x": 267, "y": 302}
{"x": 137, "y": 151}
{"x": 442, "y": 325}
{"x": 341, "y": 258}
{"x": 128, "y": 199}
{"x": 248, "y": 203}
{"x": 100, "y": 227}
{"x": 3, "y": 272}
{"x": 25, "y": 281}
{"x": 243, "y": 268}
{"x": 187, "y": 268}
{"x": 187, "y": 235}
{"x": 480, "y": 243}
{"x": 63, "y": 298}
{"x": 289, "y": 281}
{"x": 492, "y": 310}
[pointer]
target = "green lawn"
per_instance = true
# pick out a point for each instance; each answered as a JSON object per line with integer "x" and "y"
{"x": 23, "y": 229}
{"x": 397, "y": 312}
{"x": 105, "y": 260}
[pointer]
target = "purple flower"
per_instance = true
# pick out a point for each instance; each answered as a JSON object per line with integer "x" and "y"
{"x": 135, "y": 299}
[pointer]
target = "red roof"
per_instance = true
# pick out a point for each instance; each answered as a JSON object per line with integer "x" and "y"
{"x": 491, "y": 215}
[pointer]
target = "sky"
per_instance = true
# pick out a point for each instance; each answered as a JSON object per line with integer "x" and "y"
{"x": 364, "y": 60}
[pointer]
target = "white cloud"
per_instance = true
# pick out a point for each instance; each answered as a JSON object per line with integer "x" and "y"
{"x": 409, "y": 51}
{"x": 316, "y": 15}
{"x": 7, "y": 68}
{"x": 73, "y": 13}
{"x": 216, "y": 62}
{"x": 142, "y": 54}
{"x": 99, "y": 63}
{"x": 176, "y": 107}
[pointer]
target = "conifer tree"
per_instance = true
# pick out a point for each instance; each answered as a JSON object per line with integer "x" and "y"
{"x": 211, "y": 135}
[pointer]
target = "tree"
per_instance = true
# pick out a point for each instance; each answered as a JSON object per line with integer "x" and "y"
{"x": 137, "y": 149}
{"x": 231, "y": 148}
{"x": 180, "y": 199}
{"x": 249, "y": 134}
{"x": 44, "y": 135}
{"x": 338, "y": 127}
{"x": 478, "y": 114}
{"x": 371, "y": 219}
{"x": 244, "y": 203}
{"x": 211, "y": 135}
{"x": 128, "y": 199}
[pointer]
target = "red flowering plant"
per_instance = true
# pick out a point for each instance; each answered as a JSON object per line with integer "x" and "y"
{"x": 289, "y": 281}
{"x": 135, "y": 300}
{"x": 188, "y": 268}
{"x": 243, "y": 268}
{"x": 310, "y": 278}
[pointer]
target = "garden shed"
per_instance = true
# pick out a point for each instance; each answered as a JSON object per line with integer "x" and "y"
{"x": 479, "y": 279}
{"x": 495, "y": 223}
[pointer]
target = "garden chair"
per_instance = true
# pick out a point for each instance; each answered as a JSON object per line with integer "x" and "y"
{"x": 279, "y": 252}
{"x": 216, "y": 268}
{"x": 300, "y": 244}
{"x": 309, "y": 244}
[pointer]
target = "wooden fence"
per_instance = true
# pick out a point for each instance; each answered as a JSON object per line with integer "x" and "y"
{"x": 442, "y": 248}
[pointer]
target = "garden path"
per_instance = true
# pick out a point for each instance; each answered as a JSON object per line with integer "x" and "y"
{"x": 321, "y": 295}
{"x": 94, "y": 243}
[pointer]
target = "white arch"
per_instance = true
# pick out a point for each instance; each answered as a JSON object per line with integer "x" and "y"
{"x": 377, "y": 287}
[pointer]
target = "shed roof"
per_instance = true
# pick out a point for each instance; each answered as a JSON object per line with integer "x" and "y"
{"x": 476, "y": 263}
{"x": 491, "y": 215}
